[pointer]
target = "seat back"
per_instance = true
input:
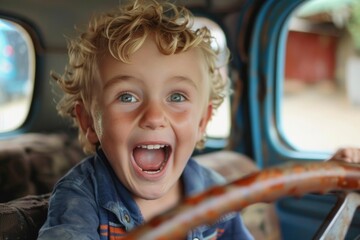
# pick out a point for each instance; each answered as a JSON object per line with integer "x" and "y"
{"x": 33, "y": 163}
{"x": 30, "y": 165}
{"x": 23, "y": 217}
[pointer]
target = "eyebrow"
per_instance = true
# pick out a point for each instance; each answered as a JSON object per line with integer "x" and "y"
{"x": 185, "y": 79}
{"x": 118, "y": 78}
{"x": 124, "y": 78}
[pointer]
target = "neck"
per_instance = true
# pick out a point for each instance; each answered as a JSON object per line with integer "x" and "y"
{"x": 152, "y": 208}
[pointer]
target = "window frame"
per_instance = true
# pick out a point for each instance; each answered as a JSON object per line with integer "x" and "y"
{"x": 266, "y": 76}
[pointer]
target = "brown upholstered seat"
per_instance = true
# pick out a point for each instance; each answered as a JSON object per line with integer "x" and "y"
{"x": 23, "y": 217}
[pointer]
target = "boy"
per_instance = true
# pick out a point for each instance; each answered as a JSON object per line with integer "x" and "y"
{"x": 141, "y": 86}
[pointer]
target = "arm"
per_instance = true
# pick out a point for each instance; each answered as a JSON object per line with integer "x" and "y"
{"x": 72, "y": 213}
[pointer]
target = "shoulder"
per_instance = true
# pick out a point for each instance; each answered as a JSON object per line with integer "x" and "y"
{"x": 208, "y": 175}
{"x": 72, "y": 201}
{"x": 79, "y": 173}
{"x": 79, "y": 182}
{"x": 197, "y": 178}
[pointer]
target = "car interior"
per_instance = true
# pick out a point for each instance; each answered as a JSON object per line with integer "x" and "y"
{"x": 294, "y": 101}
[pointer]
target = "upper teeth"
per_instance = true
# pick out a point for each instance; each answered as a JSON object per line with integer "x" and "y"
{"x": 156, "y": 146}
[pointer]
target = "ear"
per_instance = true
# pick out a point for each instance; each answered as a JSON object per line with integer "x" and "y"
{"x": 204, "y": 120}
{"x": 86, "y": 123}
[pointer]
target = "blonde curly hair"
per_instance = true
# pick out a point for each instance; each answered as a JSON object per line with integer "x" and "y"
{"x": 121, "y": 33}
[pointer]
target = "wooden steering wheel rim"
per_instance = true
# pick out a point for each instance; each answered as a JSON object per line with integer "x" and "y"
{"x": 263, "y": 186}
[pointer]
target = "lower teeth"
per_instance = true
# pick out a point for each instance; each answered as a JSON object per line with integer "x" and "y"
{"x": 152, "y": 172}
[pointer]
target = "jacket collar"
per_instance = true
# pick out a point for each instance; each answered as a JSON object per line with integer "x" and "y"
{"x": 113, "y": 195}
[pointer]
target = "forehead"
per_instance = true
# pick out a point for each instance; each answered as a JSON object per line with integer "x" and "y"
{"x": 149, "y": 63}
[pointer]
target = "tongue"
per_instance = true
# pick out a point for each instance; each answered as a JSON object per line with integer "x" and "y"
{"x": 149, "y": 160}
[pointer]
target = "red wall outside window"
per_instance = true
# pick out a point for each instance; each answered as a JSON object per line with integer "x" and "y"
{"x": 310, "y": 57}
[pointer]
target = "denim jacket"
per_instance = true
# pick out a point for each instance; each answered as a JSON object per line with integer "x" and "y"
{"x": 91, "y": 203}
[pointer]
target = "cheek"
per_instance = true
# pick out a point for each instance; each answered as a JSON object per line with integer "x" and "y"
{"x": 184, "y": 118}
{"x": 186, "y": 124}
{"x": 111, "y": 123}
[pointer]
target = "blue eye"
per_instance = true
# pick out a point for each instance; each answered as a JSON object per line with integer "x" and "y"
{"x": 176, "y": 97}
{"x": 127, "y": 98}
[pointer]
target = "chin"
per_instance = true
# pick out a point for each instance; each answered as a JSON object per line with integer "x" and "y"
{"x": 151, "y": 193}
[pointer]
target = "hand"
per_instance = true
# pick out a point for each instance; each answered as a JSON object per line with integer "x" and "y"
{"x": 350, "y": 155}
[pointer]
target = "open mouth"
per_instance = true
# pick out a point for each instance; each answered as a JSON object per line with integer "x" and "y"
{"x": 151, "y": 158}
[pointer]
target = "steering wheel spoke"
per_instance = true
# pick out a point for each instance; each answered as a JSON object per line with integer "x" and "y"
{"x": 339, "y": 219}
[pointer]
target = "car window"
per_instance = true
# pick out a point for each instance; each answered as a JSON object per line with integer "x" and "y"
{"x": 219, "y": 126}
{"x": 17, "y": 70}
{"x": 320, "y": 107}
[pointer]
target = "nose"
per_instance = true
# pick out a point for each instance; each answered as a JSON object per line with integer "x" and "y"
{"x": 153, "y": 117}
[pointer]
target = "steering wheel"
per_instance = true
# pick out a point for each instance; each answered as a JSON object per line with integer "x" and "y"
{"x": 264, "y": 186}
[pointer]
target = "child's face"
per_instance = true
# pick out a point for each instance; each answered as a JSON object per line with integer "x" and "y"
{"x": 152, "y": 113}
